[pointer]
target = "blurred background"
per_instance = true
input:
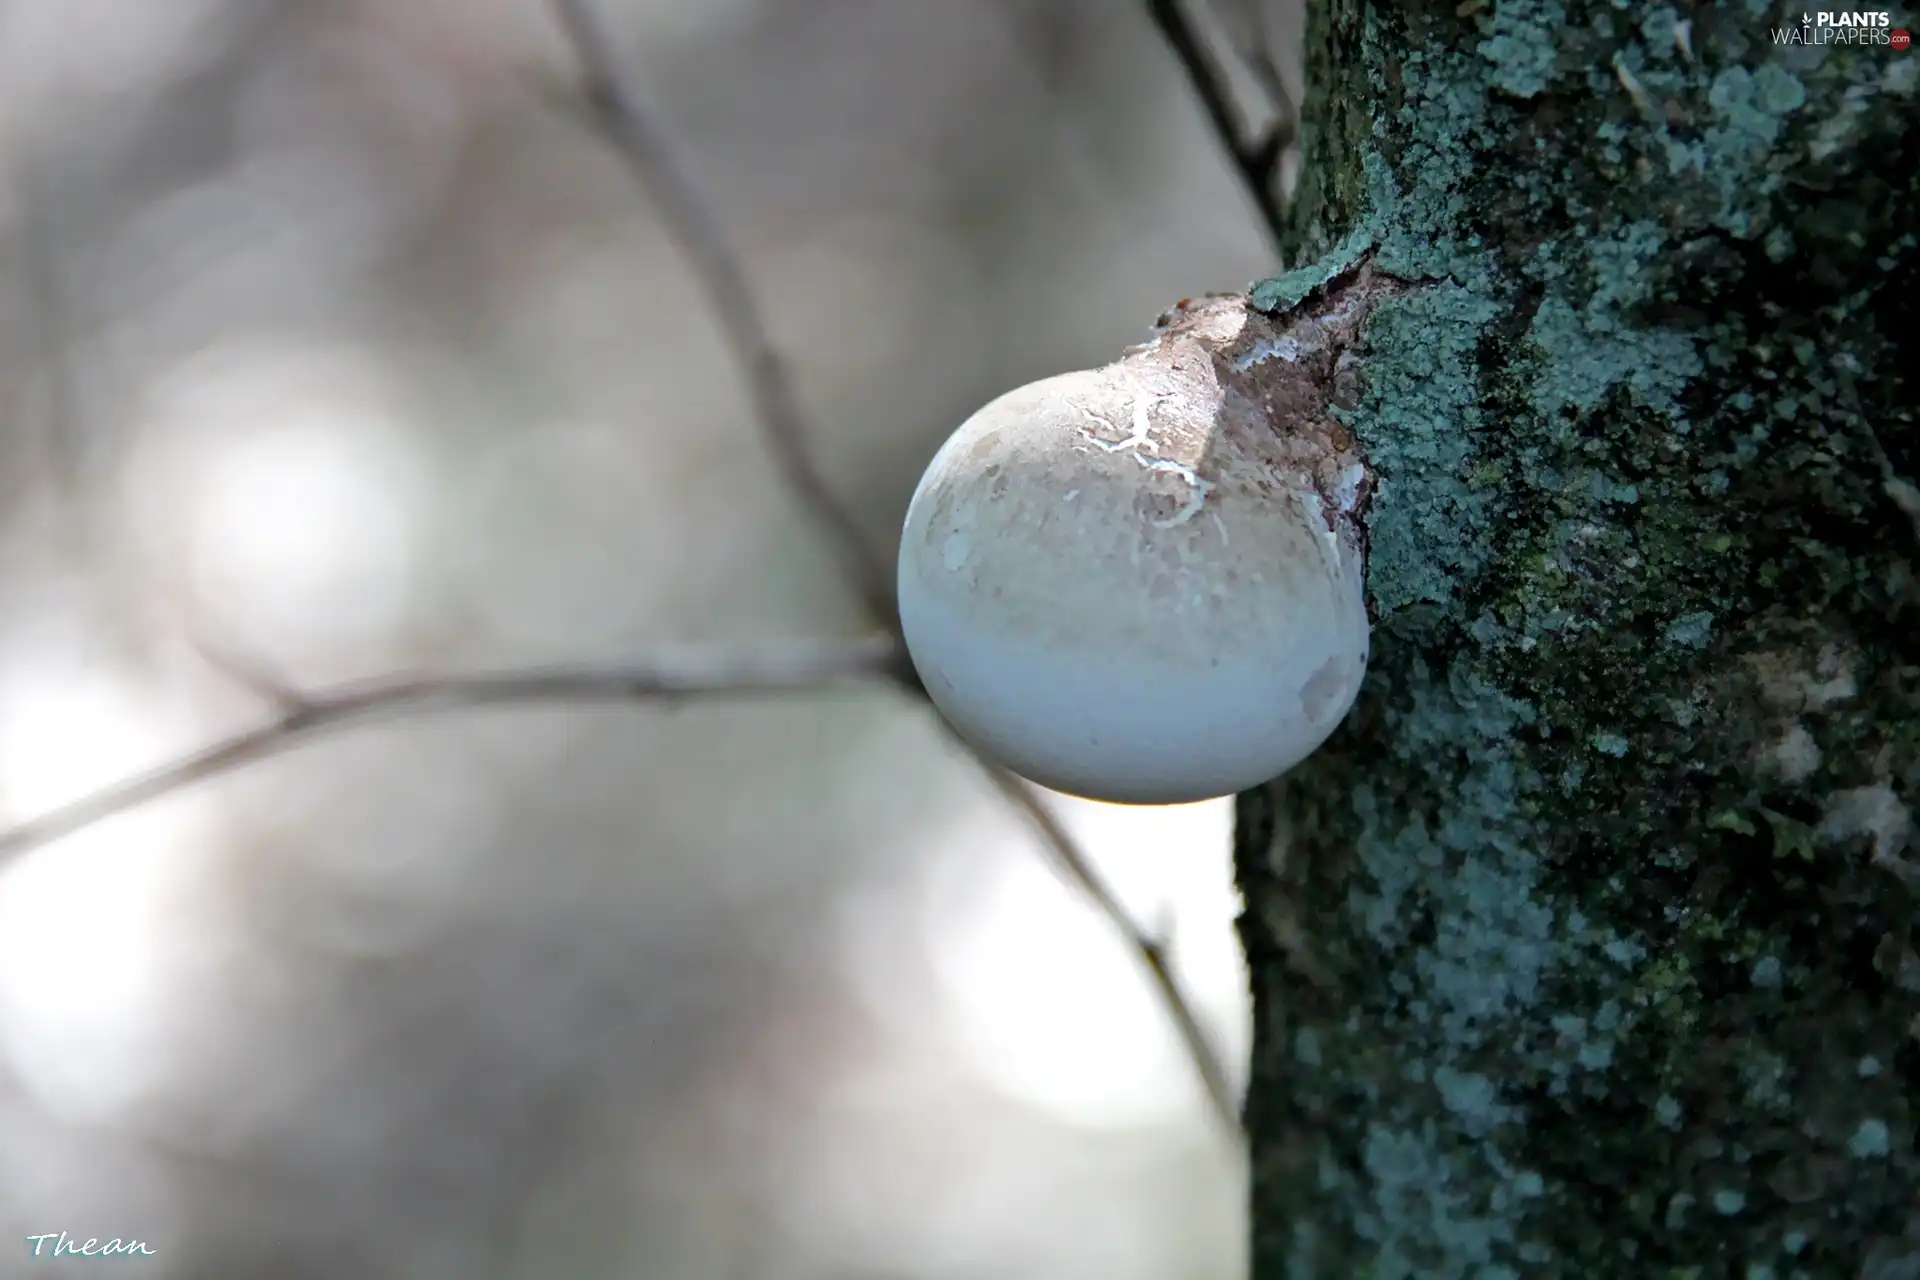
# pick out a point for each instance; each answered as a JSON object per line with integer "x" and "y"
{"x": 331, "y": 335}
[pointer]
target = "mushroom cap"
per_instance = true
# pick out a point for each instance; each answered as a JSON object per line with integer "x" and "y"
{"x": 1126, "y": 584}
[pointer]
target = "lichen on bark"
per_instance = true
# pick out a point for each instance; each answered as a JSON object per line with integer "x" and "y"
{"x": 1586, "y": 947}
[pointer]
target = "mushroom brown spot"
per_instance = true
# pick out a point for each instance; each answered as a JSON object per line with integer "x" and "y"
{"x": 1143, "y": 583}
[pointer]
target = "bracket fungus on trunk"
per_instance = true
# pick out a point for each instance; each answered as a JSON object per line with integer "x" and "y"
{"x": 1143, "y": 583}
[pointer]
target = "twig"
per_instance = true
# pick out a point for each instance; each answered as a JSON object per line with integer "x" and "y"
{"x": 304, "y": 716}
{"x": 1249, "y": 33}
{"x": 1152, "y": 950}
{"x": 691, "y": 218}
{"x": 251, "y": 673}
{"x": 1256, "y": 163}
{"x": 660, "y": 169}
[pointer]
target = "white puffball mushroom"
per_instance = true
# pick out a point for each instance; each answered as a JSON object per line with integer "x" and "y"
{"x": 1144, "y": 583}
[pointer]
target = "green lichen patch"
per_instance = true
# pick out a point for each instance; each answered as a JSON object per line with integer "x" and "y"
{"x": 1418, "y": 426}
{"x": 1522, "y": 45}
{"x": 1287, "y": 290}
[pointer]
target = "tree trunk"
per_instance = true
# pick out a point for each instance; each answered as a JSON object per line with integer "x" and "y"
{"x": 1585, "y": 948}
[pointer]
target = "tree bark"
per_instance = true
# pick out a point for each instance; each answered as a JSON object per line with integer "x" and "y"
{"x": 1586, "y": 947}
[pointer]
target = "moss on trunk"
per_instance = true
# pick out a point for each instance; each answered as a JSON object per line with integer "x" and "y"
{"x": 1586, "y": 947}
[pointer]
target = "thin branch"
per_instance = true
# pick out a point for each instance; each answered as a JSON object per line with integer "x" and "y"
{"x": 305, "y": 716}
{"x": 1151, "y": 950}
{"x": 1257, "y": 163}
{"x": 666, "y": 176}
{"x": 251, "y": 673}
{"x": 691, "y": 217}
{"x": 1248, "y": 28}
